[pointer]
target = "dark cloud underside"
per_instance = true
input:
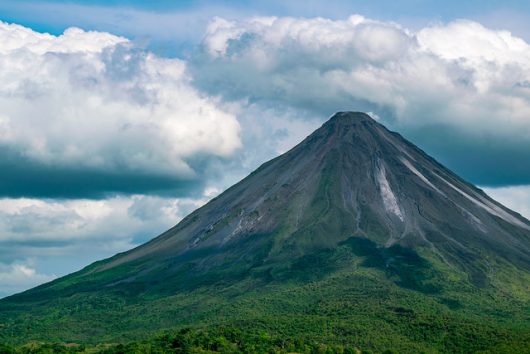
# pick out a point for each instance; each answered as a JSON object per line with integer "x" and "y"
{"x": 22, "y": 177}
{"x": 484, "y": 159}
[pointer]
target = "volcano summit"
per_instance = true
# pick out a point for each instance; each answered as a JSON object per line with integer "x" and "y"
{"x": 353, "y": 236}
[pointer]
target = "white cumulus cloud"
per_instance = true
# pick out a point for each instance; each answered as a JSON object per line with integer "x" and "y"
{"x": 460, "y": 74}
{"x": 20, "y": 276}
{"x": 43, "y": 237}
{"x": 75, "y": 220}
{"x": 93, "y": 100}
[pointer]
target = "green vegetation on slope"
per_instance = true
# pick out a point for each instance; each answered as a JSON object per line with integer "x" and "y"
{"x": 355, "y": 296}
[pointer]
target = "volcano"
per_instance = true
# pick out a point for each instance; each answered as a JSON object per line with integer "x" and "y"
{"x": 354, "y": 210}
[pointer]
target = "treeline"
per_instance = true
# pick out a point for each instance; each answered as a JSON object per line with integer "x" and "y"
{"x": 226, "y": 340}
{"x": 198, "y": 341}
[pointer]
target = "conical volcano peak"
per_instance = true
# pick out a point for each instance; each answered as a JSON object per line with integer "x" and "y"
{"x": 342, "y": 122}
{"x": 350, "y": 118}
{"x": 353, "y": 130}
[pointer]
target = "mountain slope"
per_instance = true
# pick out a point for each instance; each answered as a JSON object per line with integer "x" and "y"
{"x": 352, "y": 201}
{"x": 350, "y": 177}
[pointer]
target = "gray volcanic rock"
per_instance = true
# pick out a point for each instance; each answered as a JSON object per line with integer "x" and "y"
{"x": 350, "y": 178}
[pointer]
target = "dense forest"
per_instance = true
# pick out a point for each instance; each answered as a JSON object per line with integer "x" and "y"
{"x": 224, "y": 340}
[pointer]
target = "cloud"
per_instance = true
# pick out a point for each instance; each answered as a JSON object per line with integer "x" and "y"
{"x": 514, "y": 197}
{"x": 25, "y": 220}
{"x": 92, "y": 102}
{"x": 44, "y": 238}
{"x": 20, "y": 276}
{"x": 455, "y": 66}
{"x": 170, "y": 28}
{"x": 459, "y": 78}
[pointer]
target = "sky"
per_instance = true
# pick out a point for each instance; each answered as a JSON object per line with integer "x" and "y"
{"x": 118, "y": 118}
